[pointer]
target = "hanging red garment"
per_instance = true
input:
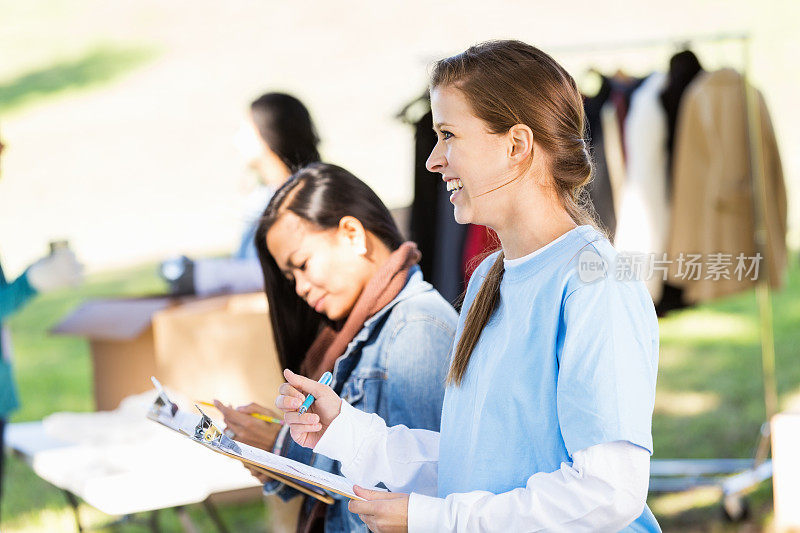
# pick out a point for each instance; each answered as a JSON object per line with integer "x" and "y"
{"x": 480, "y": 241}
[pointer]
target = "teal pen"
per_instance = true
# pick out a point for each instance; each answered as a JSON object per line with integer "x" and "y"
{"x": 326, "y": 379}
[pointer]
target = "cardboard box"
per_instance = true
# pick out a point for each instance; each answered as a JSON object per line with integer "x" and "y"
{"x": 121, "y": 342}
{"x": 218, "y": 347}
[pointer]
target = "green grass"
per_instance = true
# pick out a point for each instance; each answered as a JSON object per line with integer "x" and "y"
{"x": 97, "y": 66}
{"x": 716, "y": 349}
{"x": 709, "y": 400}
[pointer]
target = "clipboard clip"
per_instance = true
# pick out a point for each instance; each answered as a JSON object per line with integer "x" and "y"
{"x": 162, "y": 400}
{"x": 210, "y": 435}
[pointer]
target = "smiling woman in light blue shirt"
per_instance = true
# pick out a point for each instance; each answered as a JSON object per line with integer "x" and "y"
{"x": 546, "y": 422}
{"x": 588, "y": 352}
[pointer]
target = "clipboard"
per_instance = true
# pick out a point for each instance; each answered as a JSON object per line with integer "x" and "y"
{"x": 309, "y": 490}
{"x": 202, "y": 430}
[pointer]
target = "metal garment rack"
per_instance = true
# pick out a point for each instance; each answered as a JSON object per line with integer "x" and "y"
{"x": 734, "y": 476}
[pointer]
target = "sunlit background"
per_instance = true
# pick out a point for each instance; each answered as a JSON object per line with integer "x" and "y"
{"x": 120, "y": 116}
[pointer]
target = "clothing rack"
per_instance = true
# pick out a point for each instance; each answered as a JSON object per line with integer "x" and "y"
{"x": 682, "y": 474}
{"x": 679, "y": 42}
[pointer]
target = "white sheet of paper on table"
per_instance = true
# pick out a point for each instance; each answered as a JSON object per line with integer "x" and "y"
{"x": 186, "y": 423}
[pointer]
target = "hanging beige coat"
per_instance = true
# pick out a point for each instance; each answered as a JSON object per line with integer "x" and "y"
{"x": 712, "y": 207}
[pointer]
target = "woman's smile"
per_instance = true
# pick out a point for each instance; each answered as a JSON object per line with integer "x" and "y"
{"x": 454, "y": 185}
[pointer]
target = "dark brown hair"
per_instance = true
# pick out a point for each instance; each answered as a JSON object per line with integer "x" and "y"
{"x": 321, "y": 194}
{"x": 286, "y": 126}
{"x": 508, "y": 83}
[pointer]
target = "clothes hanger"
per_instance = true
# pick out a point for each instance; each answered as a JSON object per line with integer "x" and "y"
{"x": 590, "y": 82}
{"x": 415, "y": 109}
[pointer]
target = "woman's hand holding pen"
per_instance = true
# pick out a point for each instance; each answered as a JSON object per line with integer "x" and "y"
{"x": 308, "y": 428}
{"x": 382, "y": 512}
{"x": 248, "y": 429}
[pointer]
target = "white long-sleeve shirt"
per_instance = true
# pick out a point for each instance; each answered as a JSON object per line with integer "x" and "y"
{"x": 604, "y": 489}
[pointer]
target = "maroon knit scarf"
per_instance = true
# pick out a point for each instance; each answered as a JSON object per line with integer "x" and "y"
{"x": 381, "y": 289}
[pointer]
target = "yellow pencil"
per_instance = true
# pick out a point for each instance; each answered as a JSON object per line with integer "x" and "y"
{"x": 270, "y": 419}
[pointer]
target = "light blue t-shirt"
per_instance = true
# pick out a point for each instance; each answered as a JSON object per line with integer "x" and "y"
{"x": 568, "y": 360}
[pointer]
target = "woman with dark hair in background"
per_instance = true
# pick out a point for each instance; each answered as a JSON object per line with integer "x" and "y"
{"x": 346, "y": 296}
{"x": 285, "y": 126}
{"x": 277, "y": 138}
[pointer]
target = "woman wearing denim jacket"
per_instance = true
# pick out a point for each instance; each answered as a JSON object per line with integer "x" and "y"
{"x": 346, "y": 296}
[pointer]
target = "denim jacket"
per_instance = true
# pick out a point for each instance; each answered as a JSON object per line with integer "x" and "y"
{"x": 394, "y": 367}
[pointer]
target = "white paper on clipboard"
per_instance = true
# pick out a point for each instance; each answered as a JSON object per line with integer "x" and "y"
{"x": 186, "y": 424}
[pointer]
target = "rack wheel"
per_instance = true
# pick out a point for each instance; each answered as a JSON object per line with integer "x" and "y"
{"x": 735, "y": 508}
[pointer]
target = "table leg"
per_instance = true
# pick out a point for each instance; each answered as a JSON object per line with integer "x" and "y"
{"x": 214, "y": 515}
{"x": 73, "y": 502}
{"x": 154, "y": 521}
{"x": 185, "y": 520}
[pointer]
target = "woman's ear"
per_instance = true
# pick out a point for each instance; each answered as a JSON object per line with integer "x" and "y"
{"x": 352, "y": 233}
{"x": 520, "y": 143}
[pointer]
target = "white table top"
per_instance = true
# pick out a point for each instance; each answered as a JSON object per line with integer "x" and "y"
{"x": 121, "y": 463}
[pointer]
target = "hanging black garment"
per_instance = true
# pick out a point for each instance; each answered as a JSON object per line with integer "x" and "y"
{"x": 426, "y": 190}
{"x": 439, "y": 237}
{"x": 683, "y": 69}
{"x": 448, "y": 262}
{"x": 600, "y": 186}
